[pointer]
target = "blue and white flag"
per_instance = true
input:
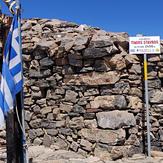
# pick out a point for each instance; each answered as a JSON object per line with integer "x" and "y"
{"x": 11, "y": 77}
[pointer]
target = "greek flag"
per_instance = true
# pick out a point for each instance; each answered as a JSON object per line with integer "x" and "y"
{"x": 11, "y": 77}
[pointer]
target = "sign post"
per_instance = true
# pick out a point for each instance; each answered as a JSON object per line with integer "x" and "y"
{"x": 147, "y": 104}
{"x": 145, "y": 45}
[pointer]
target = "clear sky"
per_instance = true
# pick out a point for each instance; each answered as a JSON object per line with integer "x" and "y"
{"x": 132, "y": 16}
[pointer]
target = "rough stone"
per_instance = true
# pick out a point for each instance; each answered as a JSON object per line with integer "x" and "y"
{"x": 86, "y": 145}
{"x": 110, "y": 77}
{"x": 28, "y": 116}
{"x": 46, "y": 62}
{"x": 39, "y": 132}
{"x": 32, "y": 134}
{"x": 111, "y": 137}
{"x": 37, "y": 141}
{"x": 156, "y": 154}
{"x": 109, "y": 102}
{"x": 134, "y": 102}
{"x": 135, "y": 92}
{"x": 90, "y": 123}
{"x": 130, "y": 59}
{"x": 65, "y": 131}
{"x": 47, "y": 141}
{"x": 76, "y": 123}
{"x": 71, "y": 96}
{"x": 118, "y": 62}
{"x": 81, "y": 40}
{"x": 44, "y": 44}
{"x": 35, "y": 123}
{"x": 78, "y": 109}
{"x": 36, "y": 95}
{"x": 75, "y": 59}
{"x": 95, "y": 53}
{"x": 60, "y": 143}
{"x": 46, "y": 110}
{"x": 156, "y": 96}
{"x": 66, "y": 108}
{"x": 135, "y": 69}
{"x": 52, "y": 132}
{"x": 74, "y": 146}
{"x": 60, "y": 91}
{"x": 102, "y": 153}
{"x": 115, "y": 119}
{"x": 91, "y": 92}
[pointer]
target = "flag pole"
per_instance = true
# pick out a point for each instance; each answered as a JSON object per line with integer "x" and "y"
{"x": 10, "y": 118}
{"x": 19, "y": 98}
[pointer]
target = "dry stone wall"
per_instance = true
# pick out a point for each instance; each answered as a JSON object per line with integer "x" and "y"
{"x": 85, "y": 93}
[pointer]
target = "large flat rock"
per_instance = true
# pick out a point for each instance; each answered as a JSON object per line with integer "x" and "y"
{"x": 115, "y": 119}
{"x": 109, "y": 102}
{"x": 94, "y": 78}
{"x": 111, "y": 137}
{"x": 41, "y": 153}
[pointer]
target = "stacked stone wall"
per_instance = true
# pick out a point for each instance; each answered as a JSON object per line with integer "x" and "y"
{"x": 85, "y": 93}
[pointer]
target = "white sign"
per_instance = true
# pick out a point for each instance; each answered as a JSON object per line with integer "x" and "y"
{"x": 144, "y": 45}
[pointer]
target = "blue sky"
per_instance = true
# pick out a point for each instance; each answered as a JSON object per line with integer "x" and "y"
{"x": 132, "y": 16}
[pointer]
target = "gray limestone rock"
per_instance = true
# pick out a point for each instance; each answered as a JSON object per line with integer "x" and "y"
{"x": 101, "y": 65}
{"x": 35, "y": 123}
{"x": 81, "y": 40}
{"x": 65, "y": 131}
{"x": 74, "y": 146}
{"x": 28, "y": 115}
{"x": 37, "y": 141}
{"x": 95, "y": 53}
{"x": 100, "y": 43}
{"x": 75, "y": 59}
{"x": 46, "y": 110}
{"x": 156, "y": 96}
{"x": 93, "y": 79}
{"x": 71, "y": 96}
{"x": 121, "y": 87}
{"x": 76, "y": 123}
{"x": 117, "y": 62}
{"x": 134, "y": 102}
{"x": 78, "y": 109}
{"x": 111, "y": 137}
{"x": 47, "y": 140}
{"x": 115, "y": 119}
{"x": 90, "y": 123}
{"x": 44, "y": 44}
{"x": 46, "y": 62}
{"x": 91, "y": 92}
{"x": 60, "y": 91}
{"x": 109, "y": 102}
{"x": 86, "y": 145}
{"x": 32, "y": 134}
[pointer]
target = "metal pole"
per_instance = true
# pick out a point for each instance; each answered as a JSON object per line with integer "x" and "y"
{"x": 147, "y": 105}
{"x": 21, "y": 95}
{"x": 10, "y": 118}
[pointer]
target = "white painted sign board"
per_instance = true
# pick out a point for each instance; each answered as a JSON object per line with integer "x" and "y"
{"x": 144, "y": 45}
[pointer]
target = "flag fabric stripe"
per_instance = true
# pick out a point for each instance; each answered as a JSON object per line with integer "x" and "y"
{"x": 18, "y": 77}
{"x": 16, "y": 69}
{"x": 2, "y": 121}
{"x": 18, "y": 86}
{"x": 11, "y": 77}
{"x": 14, "y": 61}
